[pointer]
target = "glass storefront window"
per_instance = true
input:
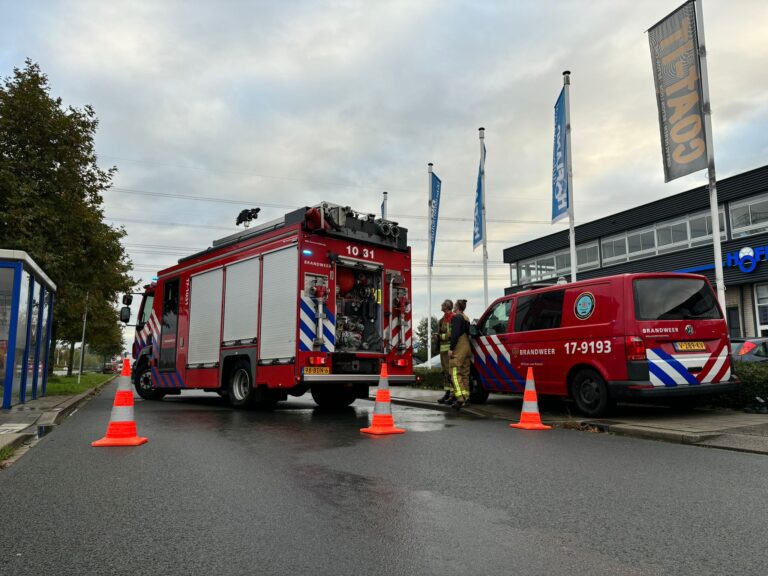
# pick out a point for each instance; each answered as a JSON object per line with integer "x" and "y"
{"x": 615, "y": 249}
{"x": 563, "y": 263}
{"x": 527, "y": 271}
{"x": 587, "y": 257}
{"x": 749, "y": 217}
{"x": 758, "y": 212}
{"x": 546, "y": 267}
{"x": 513, "y": 277}
{"x": 672, "y": 233}
{"x": 641, "y": 243}
{"x": 761, "y": 305}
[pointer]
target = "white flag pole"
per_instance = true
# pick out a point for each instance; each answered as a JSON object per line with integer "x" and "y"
{"x": 713, "y": 203}
{"x": 485, "y": 229}
{"x": 429, "y": 265}
{"x": 572, "y": 231}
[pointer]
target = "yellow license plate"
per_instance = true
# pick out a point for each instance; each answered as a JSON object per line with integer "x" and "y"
{"x": 317, "y": 370}
{"x": 690, "y": 346}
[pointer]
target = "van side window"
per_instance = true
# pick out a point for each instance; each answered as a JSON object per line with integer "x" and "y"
{"x": 497, "y": 321}
{"x": 539, "y": 311}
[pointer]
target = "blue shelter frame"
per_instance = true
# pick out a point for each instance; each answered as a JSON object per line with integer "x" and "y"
{"x": 33, "y": 373}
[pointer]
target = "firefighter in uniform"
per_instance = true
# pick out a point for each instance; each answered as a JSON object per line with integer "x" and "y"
{"x": 460, "y": 354}
{"x": 444, "y": 338}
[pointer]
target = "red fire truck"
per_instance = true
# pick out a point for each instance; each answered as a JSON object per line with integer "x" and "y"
{"x": 630, "y": 336}
{"x": 316, "y": 300}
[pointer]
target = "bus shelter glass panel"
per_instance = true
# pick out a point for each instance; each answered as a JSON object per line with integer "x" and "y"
{"x": 43, "y": 341}
{"x": 33, "y": 318}
{"x": 21, "y": 336}
{"x": 6, "y": 298}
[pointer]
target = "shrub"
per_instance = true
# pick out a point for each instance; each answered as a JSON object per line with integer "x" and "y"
{"x": 754, "y": 382}
{"x": 430, "y": 378}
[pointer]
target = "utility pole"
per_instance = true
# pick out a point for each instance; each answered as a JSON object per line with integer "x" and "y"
{"x": 82, "y": 340}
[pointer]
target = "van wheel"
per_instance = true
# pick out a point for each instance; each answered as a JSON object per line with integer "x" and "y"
{"x": 240, "y": 388}
{"x": 477, "y": 394}
{"x": 143, "y": 383}
{"x": 590, "y": 393}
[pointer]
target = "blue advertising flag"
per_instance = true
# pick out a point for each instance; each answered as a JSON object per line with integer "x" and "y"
{"x": 560, "y": 194}
{"x": 433, "y": 213}
{"x": 479, "y": 230}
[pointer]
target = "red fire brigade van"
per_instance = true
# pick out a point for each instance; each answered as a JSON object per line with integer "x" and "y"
{"x": 316, "y": 300}
{"x": 630, "y": 336}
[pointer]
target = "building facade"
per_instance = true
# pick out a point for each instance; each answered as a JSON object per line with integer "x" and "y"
{"x": 26, "y": 313}
{"x": 673, "y": 234}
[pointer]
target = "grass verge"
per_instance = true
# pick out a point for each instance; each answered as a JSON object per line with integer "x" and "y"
{"x": 68, "y": 386}
{"x": 6, "y": 452}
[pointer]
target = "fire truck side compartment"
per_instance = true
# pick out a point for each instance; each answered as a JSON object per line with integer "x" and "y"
{"x": 279, "y": 304}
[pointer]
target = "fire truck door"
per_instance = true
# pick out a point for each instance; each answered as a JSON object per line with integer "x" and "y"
{"x": 169, "y": 327}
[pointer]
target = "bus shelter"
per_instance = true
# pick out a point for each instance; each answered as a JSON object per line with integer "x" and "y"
{"x": 26, "y": 311}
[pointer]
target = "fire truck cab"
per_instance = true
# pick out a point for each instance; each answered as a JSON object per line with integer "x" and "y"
{"x": 630, "y": 336}
{"x": 316, "y": 300}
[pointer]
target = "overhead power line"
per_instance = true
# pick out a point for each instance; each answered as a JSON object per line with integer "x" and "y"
{"x": 120, "y": 219}
{"x": 294, "y": 207}
{"x": 313, "y": 181}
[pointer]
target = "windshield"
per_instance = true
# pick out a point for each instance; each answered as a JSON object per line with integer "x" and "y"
{"x": 146, "y": 308}
{"x": 675, "y": 299}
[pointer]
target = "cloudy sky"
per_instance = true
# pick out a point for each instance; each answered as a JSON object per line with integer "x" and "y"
{"x": 207, "y": 108}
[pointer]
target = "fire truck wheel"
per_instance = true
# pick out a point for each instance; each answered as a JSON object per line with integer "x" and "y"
{"x": 264, "y": 399}
{"x": 590, "y": 393}
{"x": 333, "y": 395}
{"x": 143, "y": 383}
{"x": 240, "y": 389}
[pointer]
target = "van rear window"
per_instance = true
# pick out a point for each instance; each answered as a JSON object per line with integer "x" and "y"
{"x": 674, "y": 299}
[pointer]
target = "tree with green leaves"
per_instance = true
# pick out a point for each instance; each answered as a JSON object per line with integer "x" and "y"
{"x": 421, "y": 338}
{"x": 51, "y": 189}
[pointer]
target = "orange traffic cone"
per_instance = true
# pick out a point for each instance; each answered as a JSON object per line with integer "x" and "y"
{"x": 383, "y": 423}
{"x": 126, "y": 368}
{"x": 121, "y": 430}
{"x": 529, "y": 417}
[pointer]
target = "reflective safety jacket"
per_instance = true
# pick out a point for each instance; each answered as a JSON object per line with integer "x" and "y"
{"x": 459, "y": 328}
{"x": 444, "y": 331}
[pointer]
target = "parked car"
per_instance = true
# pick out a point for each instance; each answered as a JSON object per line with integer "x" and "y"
{"x": 109, "y": 368}
{"x": 749, "y": 349}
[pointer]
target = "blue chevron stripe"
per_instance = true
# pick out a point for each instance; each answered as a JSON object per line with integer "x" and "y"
{"x": 309, "y": 331}
{"x": 679, "y": 368}
{"x": 515, "y": 373}
{"x": 661, "y": 375}
{"x": 308, "y": 310}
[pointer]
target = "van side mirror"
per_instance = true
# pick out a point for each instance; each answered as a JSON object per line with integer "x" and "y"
{"x": 127, "y": 299}
{"x": 473, "y": 330}
{"x": 125, "y": 314}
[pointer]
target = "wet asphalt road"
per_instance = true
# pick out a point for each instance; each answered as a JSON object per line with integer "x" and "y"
{"x": 299, "y": 491}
